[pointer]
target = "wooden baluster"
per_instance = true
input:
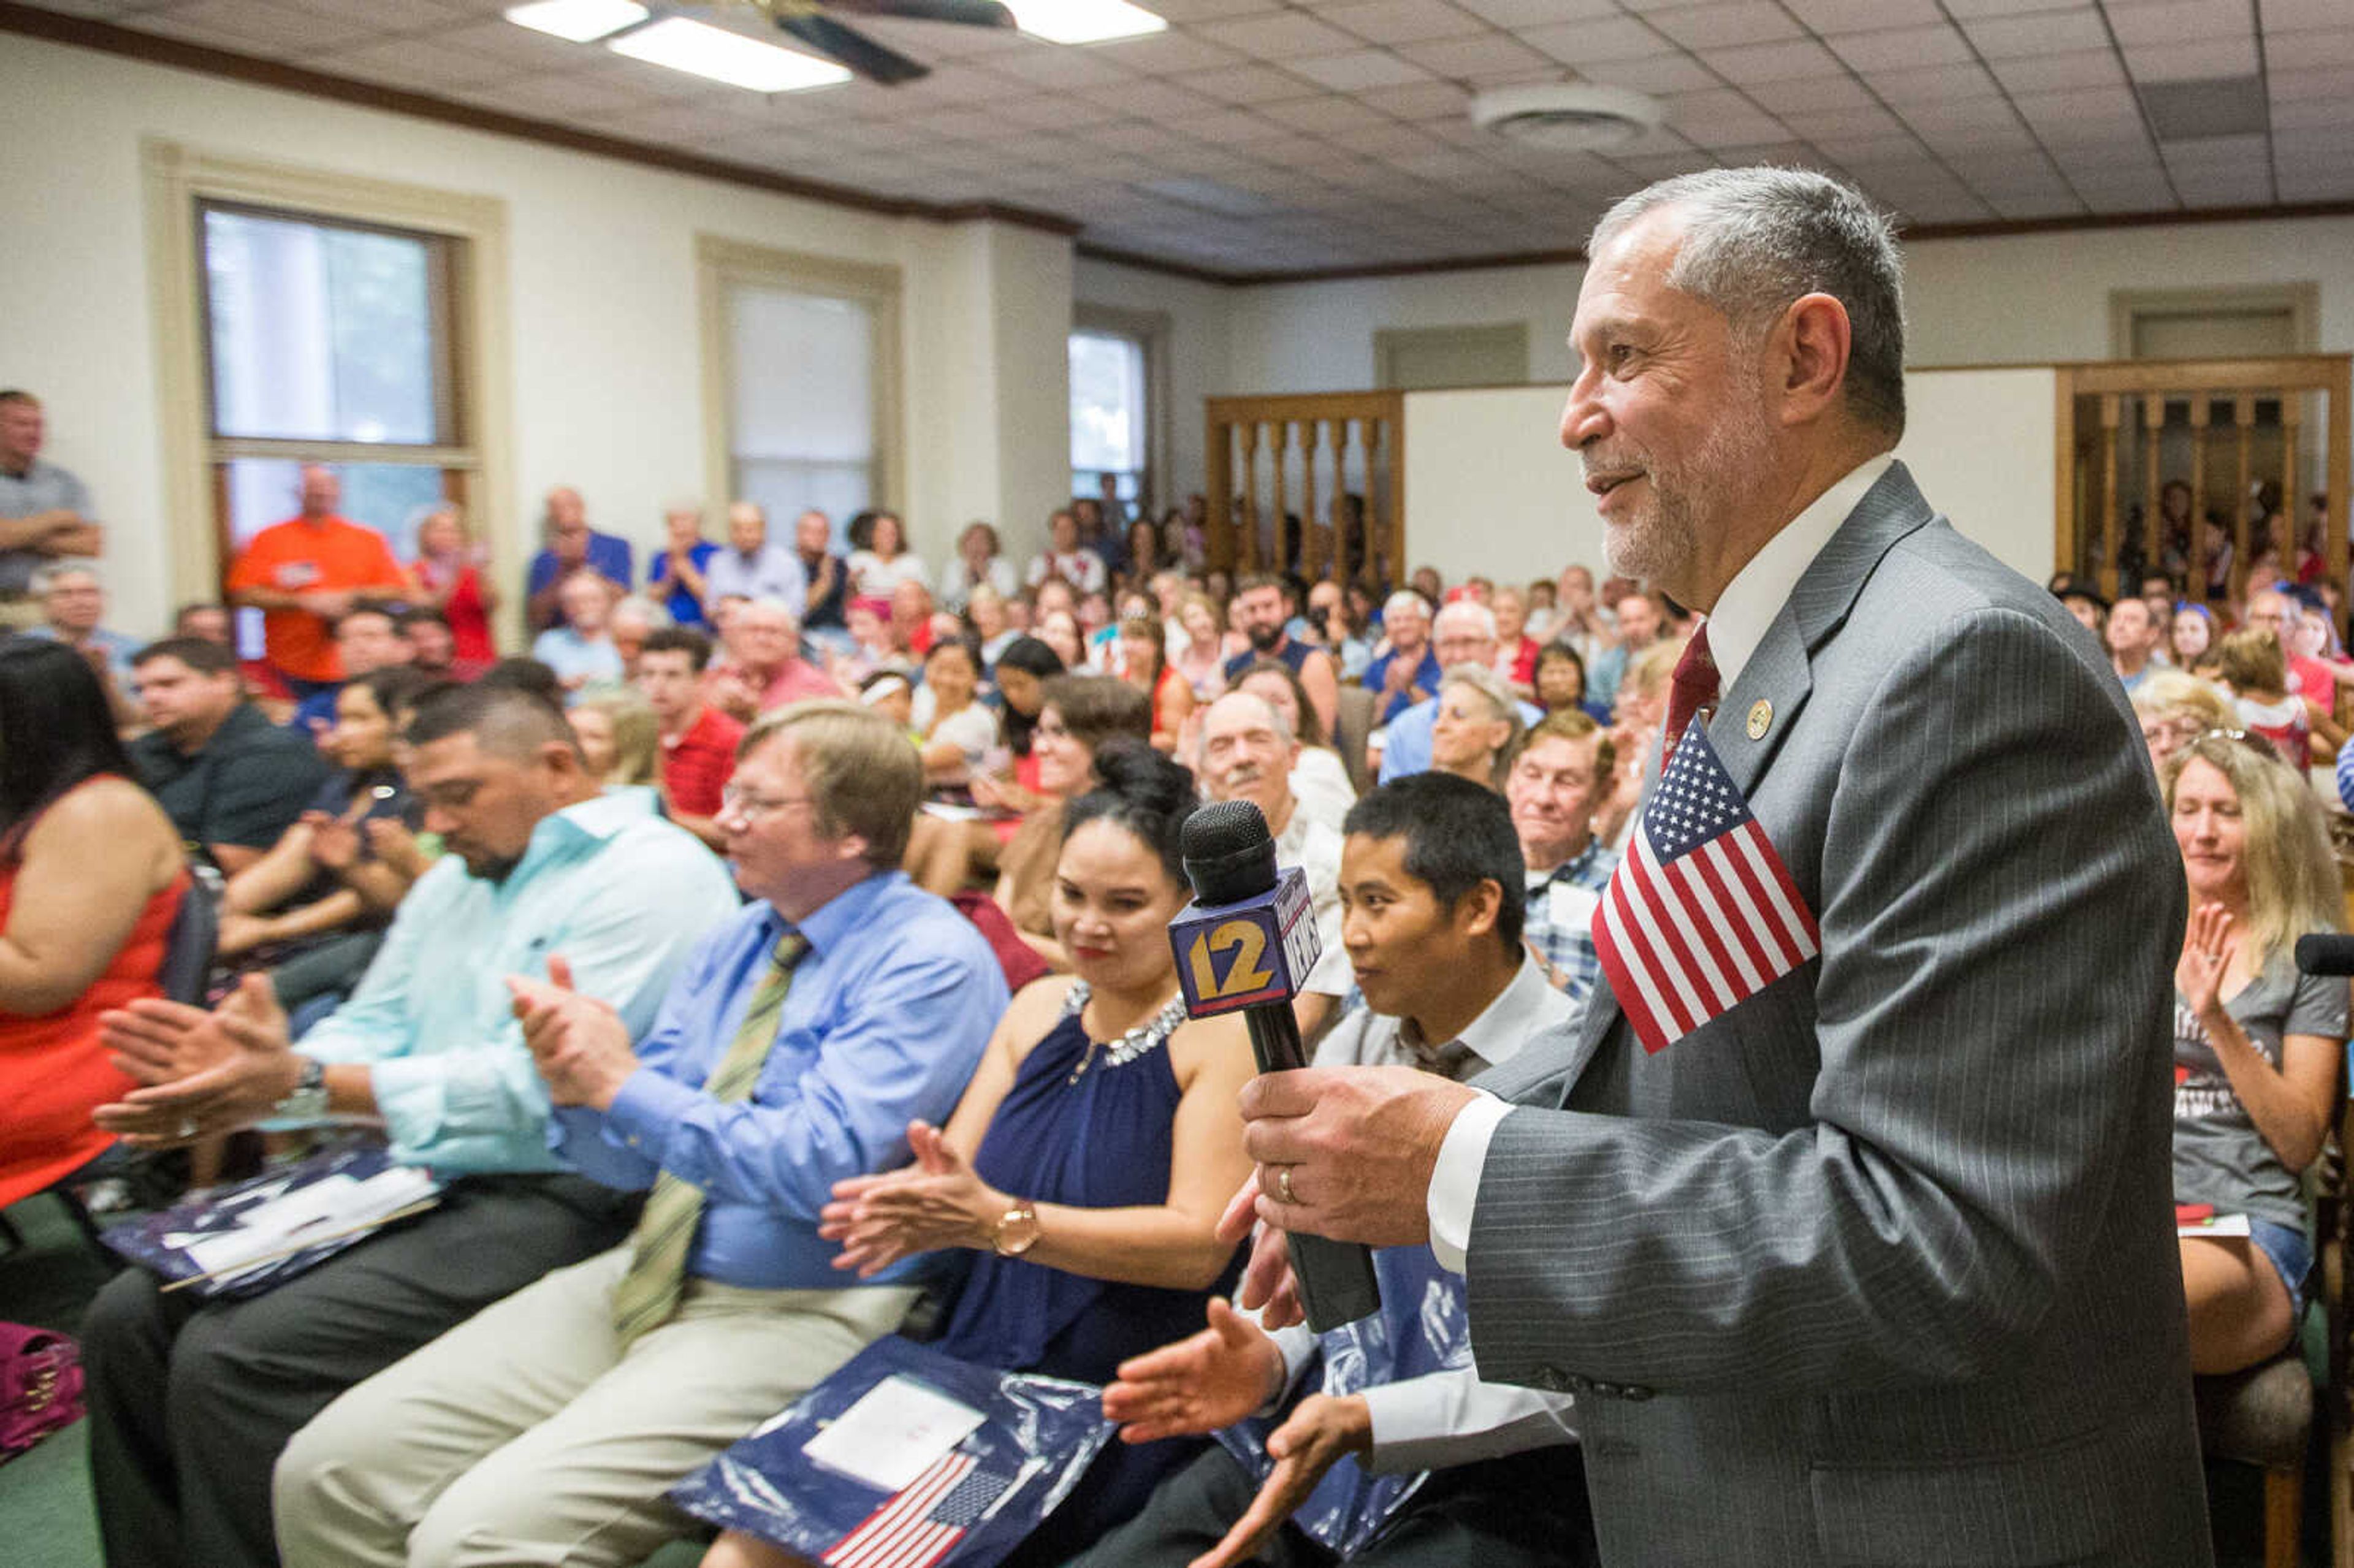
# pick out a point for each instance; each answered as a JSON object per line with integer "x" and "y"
{"x": 1281, "y": 447}
{"x": 1393, "y": 440}
{"x": 2151, "y": 485}
{"x": 2243, "y": 417}
{"x": 1376, "y": 541}
{"x": 2110, "y": 405}
{"x": 1311, "y": 559}
{"x": 1250, "y": 497}
{"x": 1218, "y": 548}
{"x": 2153, "y": 542}
{"x": 2291, "y": 511}
{"x": 2200, "y": 419}
{"x": 1341, "y": 565}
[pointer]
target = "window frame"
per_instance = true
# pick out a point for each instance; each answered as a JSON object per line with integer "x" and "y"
{"x": 1150, "y": 331}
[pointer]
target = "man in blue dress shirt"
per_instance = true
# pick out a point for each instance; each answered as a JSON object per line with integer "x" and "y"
{"x": 804, "y": 1036}
{"x": 1462, "y": 633}
{"x": 191, "y": 1401}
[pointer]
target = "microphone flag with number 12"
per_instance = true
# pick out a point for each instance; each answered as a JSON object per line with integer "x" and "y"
{"x": 1700, "y": 914}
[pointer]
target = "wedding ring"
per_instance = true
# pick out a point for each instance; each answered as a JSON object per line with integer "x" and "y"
{"x": 187, "y": 1126}
{"x": 1283, "y": 1184}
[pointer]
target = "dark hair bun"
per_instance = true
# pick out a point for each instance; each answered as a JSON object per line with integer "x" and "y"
{"x": 1143, "y": 778}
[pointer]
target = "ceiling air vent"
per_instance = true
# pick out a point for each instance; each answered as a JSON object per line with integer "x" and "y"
{"x": 1568, "y": 115}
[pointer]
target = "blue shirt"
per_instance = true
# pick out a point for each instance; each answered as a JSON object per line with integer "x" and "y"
{"x": 594, "y": 660}
{"x": 1559, "y": 925}
{"x": 884, "y": 1025}
{"x": 620, "y": 893}
{"x": 1426, "y": 675}
{"x": 609, "y": 556}
{"x": 770, "y": 572}
{"x": 117, "y": 648}
{"x": 1407, "y": 748}
{"x": 683, "y": 607}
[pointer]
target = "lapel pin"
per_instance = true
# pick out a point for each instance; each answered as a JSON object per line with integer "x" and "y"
{"x": 1760, "y": 719}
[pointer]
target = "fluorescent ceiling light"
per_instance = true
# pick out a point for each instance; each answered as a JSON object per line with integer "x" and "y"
{"x": 1084, "y": 21}
{"x": 579, "y": 20}
{"x": 727, "y": 57}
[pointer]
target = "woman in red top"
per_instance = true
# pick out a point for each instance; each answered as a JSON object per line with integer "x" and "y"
{"x": 1144, "y": 662}
{"x": 91, "y": 874}
{"x": 448, "y": 573}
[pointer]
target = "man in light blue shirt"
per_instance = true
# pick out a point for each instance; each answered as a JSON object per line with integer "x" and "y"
{"x": 801, "y": 1039}
{"x": 752, "y": 568}
{"x": 1461, "y": 633}
{"x": 537, "y": 862}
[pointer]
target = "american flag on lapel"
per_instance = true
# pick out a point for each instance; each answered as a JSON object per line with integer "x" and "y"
{"x": 919, "y": 1524}
{"x": 1700, "y": 913}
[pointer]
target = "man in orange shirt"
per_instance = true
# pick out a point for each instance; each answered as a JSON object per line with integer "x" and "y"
{"x": 304, "y": 573}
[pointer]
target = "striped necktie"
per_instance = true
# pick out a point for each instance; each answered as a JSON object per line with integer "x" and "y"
{"x": 647, "y": 1294}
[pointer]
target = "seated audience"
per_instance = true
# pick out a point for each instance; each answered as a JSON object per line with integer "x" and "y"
{"x": 1319, "y": 780}
{"x": 804, "y": 1037}
{"x": 2258, "y": 1046}
{"x": 1516, "y": 650}
{"x": 763, "y": 668}
{"x": 1059, "y": 630}
{"x": 322, "y": 882}
{"x": 92, "y": 876}
{"x": 190, "y": 1400}
{"x": 992, "y": 629}
{"x": 1432, "y": 884}
{"x": 367, "y": 639}
{"x": 2131, "y": 639}
{"x": 45, "y": 511}
{"x": 619, "y": 740}
{"x": 1638, "y": 621}
{"x": 572, "y": 547}
{"x": 752, "y": 568}
{"x": 2191, "y": 636}
{"x": 909, "y": 611}
{"x": 580, "y": 650}
{"x": 1555, "y": 783}
{"x": 1462, "y": 633}
{"x": 698, "y": 742}
{"x": 979, "y": 561}
{"x": 524, "y": 675}
{"x": 1077, "y": 716}
{"x": 452, "y": 576}
{"x": 888, "y": 692}
{"x": 1063, "y": 557}
{"x": 1560, "y": 683}
{"x": 634, "y": 619}
{"x": 308, "y": 572}
{"x": 827, "y": 575}
{"x": 1248, "y": 752}
{"x": 1640, "y": 712}
{"x": 1201, "y": 657}
{"x": 206, "y": 622}
{"x": 2176, "y": 709}
{"x": 1263, "y": 607}
{"x": 1087, "y": 1165}
{"x": 1478, "y": 729}
{"x": 73, "y": 610}
{"x": 2249, "y": 662}
{"x": 1144, "y": 664}
{"x": 879, "y": 570}
{"x": 433, "y": 647}
{"x": 958, "y": 731}
{"x": 675, "y": 576}
{"x": 232, "y": 781}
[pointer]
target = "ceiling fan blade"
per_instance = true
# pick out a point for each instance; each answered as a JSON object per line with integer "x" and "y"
{"x": 854, "y": 49}
{"x": 973, "y": 12}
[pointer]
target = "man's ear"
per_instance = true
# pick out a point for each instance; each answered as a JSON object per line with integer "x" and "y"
{"x": 1809, "y": 353}
{"x": 1477, "y": 912}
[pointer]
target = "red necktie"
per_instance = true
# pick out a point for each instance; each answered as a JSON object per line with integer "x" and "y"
{"x": 1690, "y": 688}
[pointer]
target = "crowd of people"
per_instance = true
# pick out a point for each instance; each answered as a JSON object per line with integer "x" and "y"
{"x": 772, "y": 958}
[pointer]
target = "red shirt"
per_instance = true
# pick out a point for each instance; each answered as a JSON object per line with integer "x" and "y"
{"x": 301, "y": 556}
{"x": 697, "y": 762}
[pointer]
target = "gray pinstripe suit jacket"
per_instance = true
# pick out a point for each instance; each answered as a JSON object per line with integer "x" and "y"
{"x": 1879, "y": 1267}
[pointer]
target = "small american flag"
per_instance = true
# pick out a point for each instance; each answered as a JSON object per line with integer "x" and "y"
{"x": 1700, "y": 913}
{"x": 917, "y": 1525}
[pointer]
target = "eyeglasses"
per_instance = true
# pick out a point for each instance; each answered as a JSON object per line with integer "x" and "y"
{"x": 2252, "y": 741}
{"x": 751, "y": 807}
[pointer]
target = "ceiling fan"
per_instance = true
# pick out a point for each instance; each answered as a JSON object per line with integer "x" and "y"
{"x": 812, "y": 24}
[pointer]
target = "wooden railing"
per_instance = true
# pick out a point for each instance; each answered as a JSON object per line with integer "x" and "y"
{"x": 1314, "y": 481}
{"x": 2128, "y": 428}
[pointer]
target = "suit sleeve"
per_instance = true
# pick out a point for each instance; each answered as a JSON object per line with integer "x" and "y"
{"x": 1998, "y": 908}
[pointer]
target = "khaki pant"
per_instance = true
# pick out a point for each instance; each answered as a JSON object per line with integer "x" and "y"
{"x": 19, "y": 614}
{"x": 525, "y": 1434}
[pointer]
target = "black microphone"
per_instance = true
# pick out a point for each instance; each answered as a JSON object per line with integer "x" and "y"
{"x": 2326, "y": 954}
{"x": 1262, "y": 924}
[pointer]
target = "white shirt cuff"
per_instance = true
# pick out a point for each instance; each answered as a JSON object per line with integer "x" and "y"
{"x": 1455, "y": 1181}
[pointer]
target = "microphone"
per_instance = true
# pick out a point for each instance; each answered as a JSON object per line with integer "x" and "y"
{"x": 2321, "y": 954}
{"x": 1245, "y": 944}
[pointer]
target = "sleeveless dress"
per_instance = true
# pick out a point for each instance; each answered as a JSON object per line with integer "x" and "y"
{"x": 53, "y": 1073}
{"x": 1087, "y": 1125}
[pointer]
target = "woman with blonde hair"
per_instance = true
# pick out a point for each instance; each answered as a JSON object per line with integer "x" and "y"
{"x": 1478, "y": 729}
{"x": 2176, "y": 707}
{"x": 2251, "y": 664}
{"x": 2257, "y": 1044}
{"x": 620, "y": 738}
{"x": 1638, "y": 712}
{"x": 1202, "y": 663}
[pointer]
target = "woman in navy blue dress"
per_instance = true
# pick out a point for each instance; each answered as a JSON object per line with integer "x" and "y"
{"x": 1105, "y": 1139}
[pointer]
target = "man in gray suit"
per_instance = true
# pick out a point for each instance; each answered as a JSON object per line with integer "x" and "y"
{"x": 1873, "y": 1265}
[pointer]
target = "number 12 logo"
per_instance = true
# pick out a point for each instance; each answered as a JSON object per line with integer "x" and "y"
{"x": 1248, "y": 942}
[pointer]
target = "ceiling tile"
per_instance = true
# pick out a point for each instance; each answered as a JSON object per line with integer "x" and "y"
{"x": 1598, "y": 42}
{"x": 1815, "y": 94}
{"x": 566, "y": 97}
{"x": 2182, "y": 21}
{"x": 2043, "y": 33}
{"x": 2192, "y": 62}
{"x": 1151, "y": 100}
{"x": 2324, "y": 82}
{"x": 1402, "y": 21}
{"x": 2057, "y": 202}
{"x": 1476, "y": 58}
{"x": 1424, "y": 100}
{"x": 391, "y": 15}
{"x": 1362, "y": 68}
{"x": 1658, "y": 73}
{"x": 1845, "y": 124}
{"x": 2308, "y": 113}
{"x": 253, "y": 27}
{"x": 2050, "y": 73}
{"x": 1532, "y": 13}
{"x": 1901, "y": 49}
{"x": 1788, "y": 62}
{"x": 418, "y": 63}
{"x": 1929, "y": 84}
{"x": 1164, "y": 54}
{"x": 1323, "y": 116}
{"x": 1864, "y": 16}
{"x": 1286, "y": 36}
{"x": 1725, "y": 26}
{"x": 1208, "y": 10}
{"x": 1060, "y": 67}
{"x": 1249, "y": 84}
{"x": 2106, "y": 159}
{"x": 2285, "y": 52}
{"x": 2322, "y": 181}
{"x": 2289, "y": 16}
{"x": 1966, "y": 10}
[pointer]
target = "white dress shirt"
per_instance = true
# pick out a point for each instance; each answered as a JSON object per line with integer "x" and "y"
{"x": 1744, "y": 613}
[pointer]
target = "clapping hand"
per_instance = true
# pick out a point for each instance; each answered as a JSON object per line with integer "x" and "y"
{"x": 205, "y": 1073}
{"x": 1319, "y": 1433}
{"x": 1198, "y": 1384}
{"x": 1269, "y": 1286}
{"x": 937, "y": 1202}
{"x": 580, "y": 1043}
{"x": 334, "y": 842}
{"x": 2207, "y": 944}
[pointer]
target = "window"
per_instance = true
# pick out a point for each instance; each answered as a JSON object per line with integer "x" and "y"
{"x": 800, "y": 382}
{"x": 330, "y": 343}
{"x": 1111, "y": 418}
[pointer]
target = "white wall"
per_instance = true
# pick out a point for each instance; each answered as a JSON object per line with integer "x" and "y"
{"x": 605, "y": 350}
{"x": 1197, "y": 351}
{"x": 1490, "y": 489}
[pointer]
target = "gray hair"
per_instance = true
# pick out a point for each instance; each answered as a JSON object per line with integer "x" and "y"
{"x": 55, "y": 572}
{"x": 1466, "y": 610}
{"x": 1755, "y": 240}
{"x": 639, "y": 607}
{"x": 1405, "y": 600}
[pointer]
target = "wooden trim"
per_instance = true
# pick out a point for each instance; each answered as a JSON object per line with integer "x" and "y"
{"x": 1143, "y": 263}
{"x": 2063, "y": 473}
{"x": 2182, "y": 377}
{"x": 155, "y": 49}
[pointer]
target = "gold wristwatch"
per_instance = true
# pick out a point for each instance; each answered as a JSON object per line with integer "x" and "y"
{"x": 1016, "y": 1231}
